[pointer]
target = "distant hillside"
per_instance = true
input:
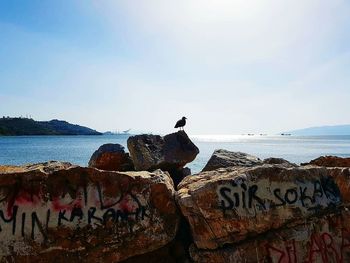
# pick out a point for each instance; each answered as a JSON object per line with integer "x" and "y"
{"x": 24, "y": 126}
{"x": 323, "y": 130}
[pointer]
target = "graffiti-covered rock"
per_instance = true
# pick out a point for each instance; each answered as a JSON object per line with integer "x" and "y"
{"x": 317, "y": 240}
{"x": 330, "y": 161}
{"x": 171, "y": 152}
{"x": 229, "y": 205}
{"x": 84, "y": 214}
{"x": 223, "y": 159}
{"x": 111, "y": 157}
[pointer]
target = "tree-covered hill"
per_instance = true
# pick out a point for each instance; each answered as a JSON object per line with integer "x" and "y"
{"x": 25, "y": 126}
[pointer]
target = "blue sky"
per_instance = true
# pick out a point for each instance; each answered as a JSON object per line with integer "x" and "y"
{"x": 230, "y": 66}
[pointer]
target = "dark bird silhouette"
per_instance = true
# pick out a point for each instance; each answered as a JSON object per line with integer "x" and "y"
{"x": 181, "y": 123}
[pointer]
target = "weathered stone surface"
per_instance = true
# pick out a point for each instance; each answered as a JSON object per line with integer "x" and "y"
{"x": 274, "y": 160}
{"x": 318, "y": 240}
{"x": 342, "y": 178}
{"x": 60, "y": 211}
{"x": 111, "y": 157}
{"x": 174, "y": 252}
{"x": 168, "y": 153}
{"x": 330, "y": 161}
{"x": 223, "y": 159}
{"x": 225, "y": 206}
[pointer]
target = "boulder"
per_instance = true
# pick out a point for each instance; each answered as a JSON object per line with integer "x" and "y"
{"x": 325, "y": 239}
{"x": 223, "y": 158}
{"x": 111, "y": 157}
{"x": 274, "y": 160}
{"x": 225, "y": 206}
{"x": 171, "y": 152}
{"x": 330, "y": 161}
{"x": 341, "y": 176}
{"x": 79, "y": 214}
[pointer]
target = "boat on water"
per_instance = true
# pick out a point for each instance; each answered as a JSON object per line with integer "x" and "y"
{"x": 117, "y": 132}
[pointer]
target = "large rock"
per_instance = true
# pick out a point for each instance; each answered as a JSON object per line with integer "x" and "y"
{"x": 111, "y": 157}
{"x": 223, "y": 159}
{"x": 330, "y": 161}
{"x": 319, "y": 240}
{"x": 171, "y": 152}
{"x": 281, "y": 161}
{"x": 226, "y": 206}
{"x": 57, "y": 211}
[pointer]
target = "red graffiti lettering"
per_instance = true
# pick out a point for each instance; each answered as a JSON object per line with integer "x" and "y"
{"x": 285, "y": 255}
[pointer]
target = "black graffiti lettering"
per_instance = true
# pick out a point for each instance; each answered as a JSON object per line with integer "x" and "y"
{"x": 236, "y": 201}
{"x": 11, "y": 219}
{"x": 277, "y": 194}
{"x": 304, "y": 197}
{"x": 121, "y": 215}
{"x": 244, "y": 187}
{"x": 36, "y": 221}
{"x": 232, "y": 200}
{"x": 224, "y": 194}
{"x": 72, "y": 190}
{"x": 330, "y": 189}
{"x": 23, "y": 223}
{"x": 48, "y": 214}
{"x": 244, "y": 196}
{"x": 100, "y": 196}
{"x": 143, "y": 212}
{"x": 109, "y": 215}
{"x": 137, "y": 213}
{"x": 91, "y": 215}
{"x": 318, "y": 191}
{"x": 76, "y": 212}
{"x": 291, "y": 196}
{"x": 252, "y": 196}
{"x": 243, "y": 200}
{"x": 85, "y": 195}
{"x": 61, "y": 216}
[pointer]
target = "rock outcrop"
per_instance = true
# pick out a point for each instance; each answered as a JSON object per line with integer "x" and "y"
{"x": 170, "y": 152}
{"x": 225, "y": 206}
{"x": 111, "y": 157}
{"x": 223, "y": 159}
{"x": 324, "y": 240}
{"x": 240, "y": 210}
{"x": 274, "y": 160}
{"x": 75, "y": 214}
{"x": 330, "y": 161}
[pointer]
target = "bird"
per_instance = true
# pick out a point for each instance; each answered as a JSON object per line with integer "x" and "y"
{"x": 181, "y": 123}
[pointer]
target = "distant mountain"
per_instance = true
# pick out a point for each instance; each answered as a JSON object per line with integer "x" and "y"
{"x": 323, "y": 130}
{"x": 25, "y": 126}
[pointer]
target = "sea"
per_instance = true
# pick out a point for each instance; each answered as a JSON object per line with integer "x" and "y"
{"x": 18, "y": 150}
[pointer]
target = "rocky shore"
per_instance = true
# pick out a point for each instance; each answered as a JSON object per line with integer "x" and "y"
{"x": 145, "y": 206}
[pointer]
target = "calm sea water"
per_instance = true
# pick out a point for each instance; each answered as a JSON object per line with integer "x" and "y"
{"x": 78, "y": 149}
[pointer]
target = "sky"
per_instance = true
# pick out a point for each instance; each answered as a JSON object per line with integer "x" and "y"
{"x": 229, "y": 66}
